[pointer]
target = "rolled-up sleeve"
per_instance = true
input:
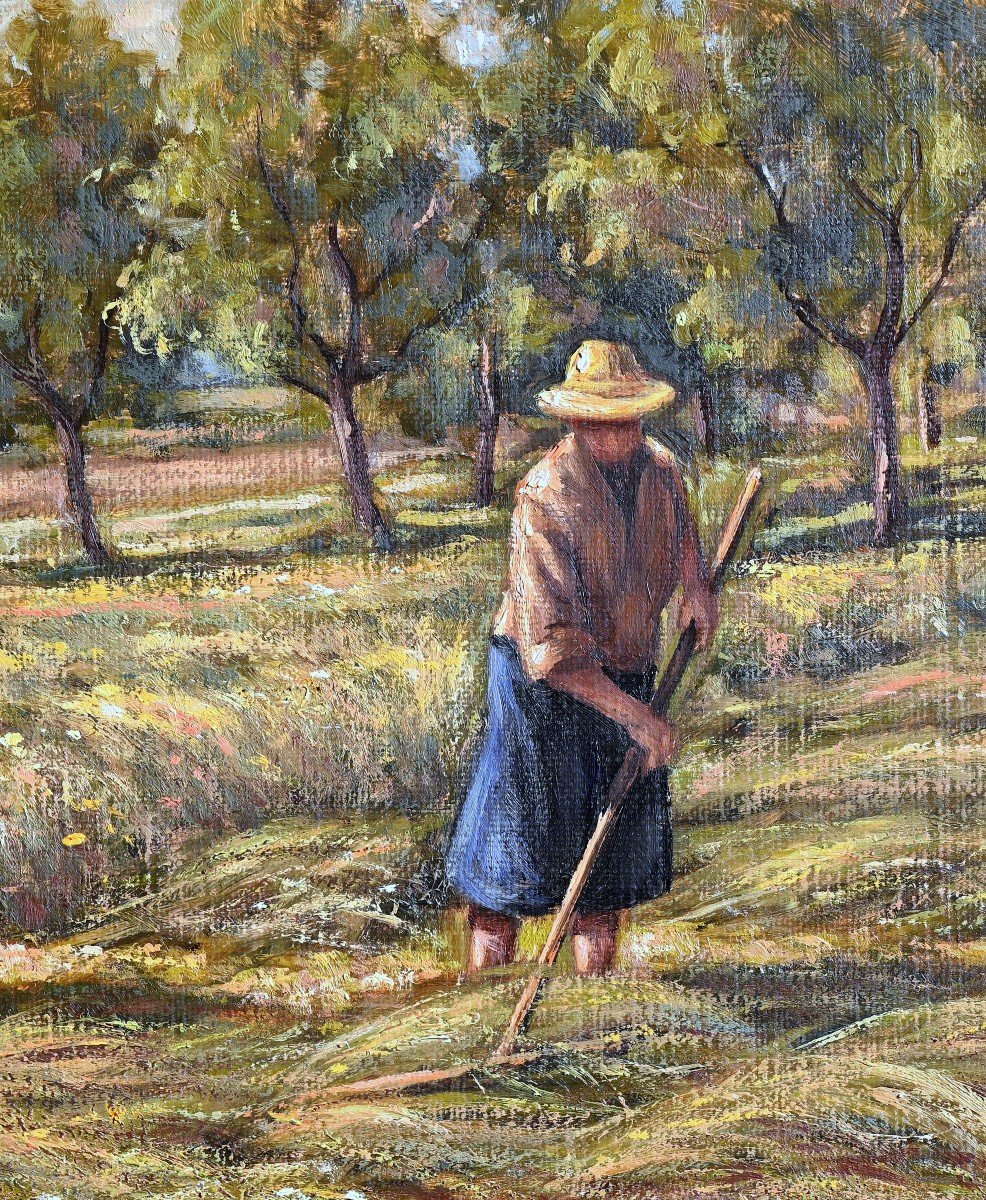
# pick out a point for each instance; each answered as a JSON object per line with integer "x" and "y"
{"x": 544, "y": 581}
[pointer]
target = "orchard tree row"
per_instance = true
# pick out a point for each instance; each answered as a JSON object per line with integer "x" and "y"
{"x": 323, "y": 193}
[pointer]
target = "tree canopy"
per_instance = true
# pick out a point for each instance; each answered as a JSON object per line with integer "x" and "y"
{"x": 79, "y": 118}
{"x": 317, "y": 189}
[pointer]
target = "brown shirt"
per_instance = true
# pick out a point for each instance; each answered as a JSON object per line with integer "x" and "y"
{"x": 582, "y": 586}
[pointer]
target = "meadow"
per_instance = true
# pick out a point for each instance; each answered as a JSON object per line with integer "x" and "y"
{"x": 228, "y": 766}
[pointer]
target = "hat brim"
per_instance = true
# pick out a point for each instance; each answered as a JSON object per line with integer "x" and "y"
{"x": 616, "y": 401}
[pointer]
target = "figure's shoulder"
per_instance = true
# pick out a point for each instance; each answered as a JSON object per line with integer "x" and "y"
{"x": 665, "y": 461}
{"x": 660, "y": 453}
{"x": 546, "y": 479}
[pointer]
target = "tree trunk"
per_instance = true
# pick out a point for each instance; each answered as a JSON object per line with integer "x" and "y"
{"x": 78, "y": 494}
{"x": 929, "y": 414}
{"x": 704, "y": 409}
{"x": 356, "y": 465}
{"x": 488, "y": 404}
{"x": 889, "y": 502}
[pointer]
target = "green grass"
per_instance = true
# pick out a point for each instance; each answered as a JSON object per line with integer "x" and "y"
{"x": 260, "y": 735}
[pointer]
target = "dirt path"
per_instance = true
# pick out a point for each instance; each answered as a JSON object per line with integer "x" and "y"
{"x": 125, "y": 482}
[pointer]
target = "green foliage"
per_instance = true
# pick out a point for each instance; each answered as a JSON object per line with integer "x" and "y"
{"x": 353, "y": 122}
{"x": 79, "y": 115}
{"x": 824, "y": 96}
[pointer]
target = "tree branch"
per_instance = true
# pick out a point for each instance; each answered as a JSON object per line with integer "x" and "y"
{"x": 35, "y": 381}
{"x": 299, "y": 313}
{"x": 300, "y": 316}
{"x": 917, "y": 166}
{"x": 396, "y": 264}
{"x": 100, "y": 359}
{"x": 453, "y": 309}
{"x": 294, "y": 379}
{"x": 805, "y": 307}
{"x": 895, "y": 269}
{"x": 778, "y": 199}
{"x": 948, "y": 254}
{"x": 34, "y": 337}
{"x": 428, "y": 215}
{"x": 18, "y": 374}
{"x": 36, "y": 378}
{"x": 883, "y": 216}
{"x": 351, "y": 361}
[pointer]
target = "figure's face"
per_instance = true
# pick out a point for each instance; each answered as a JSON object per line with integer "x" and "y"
{"x": 609, "y": 441}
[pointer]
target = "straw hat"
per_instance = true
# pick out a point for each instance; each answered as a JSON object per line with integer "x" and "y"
{"x": 604, "y": 382}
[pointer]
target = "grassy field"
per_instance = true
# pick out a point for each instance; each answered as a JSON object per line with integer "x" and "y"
{"x": 226, "y": 774}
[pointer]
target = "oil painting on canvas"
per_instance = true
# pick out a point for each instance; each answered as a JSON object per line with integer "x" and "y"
{"x": 493, "y": 590}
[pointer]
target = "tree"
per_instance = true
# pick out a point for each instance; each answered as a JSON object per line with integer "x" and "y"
{"x": 489, "y": 406}
{"x": 636, "y": 204}
{"x": 646, "y": 247}
{"x": 944, "y": 345}
{"x": 322, "y": 154}
{"x": 854, "y": 127}
{"x": 841, "y": 139}
{"x": 79, "y": 137}
{"x": 526, "y": 101}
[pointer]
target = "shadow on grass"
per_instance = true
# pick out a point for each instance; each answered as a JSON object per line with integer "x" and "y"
{"x": 146, "y": 1002}
{"x": 813, "y": 1000}
{"x": 201, "y": 564}
{"x": 837, "y": 533}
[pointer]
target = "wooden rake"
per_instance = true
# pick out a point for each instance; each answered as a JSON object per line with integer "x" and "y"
{"x": 506, "y": 1054}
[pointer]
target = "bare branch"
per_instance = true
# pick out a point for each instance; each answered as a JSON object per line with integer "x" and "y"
{"x": 895, "y": 270}
{"x": 948, "y": 254}
{"x": 295, "y": 379}
{"x": 805, "y": 307}
{"x": 917, "y": 166}
{"x": 17, "y": 373}
{"x": 889, "y": 219}
{"x": 777, "y": 198}
{"x": 884, "y": 216}
{"x": 35, "y": 376}
{"x": 100, "y": 359}
{"x": 341, "y": 259}
{"x": 34, "y": 380}
{"x": 351, "y": 364}
{"x": 427, "y": 215}
{"x": 270, "y": 183}
{"x": 300, "y": 316}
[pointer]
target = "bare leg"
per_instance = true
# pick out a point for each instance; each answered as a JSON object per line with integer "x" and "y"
{"x": 594, "y": 941}
{"x": 492, "y": 938}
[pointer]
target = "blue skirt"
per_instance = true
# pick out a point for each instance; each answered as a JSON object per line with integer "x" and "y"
{"x": 537, "y": 791}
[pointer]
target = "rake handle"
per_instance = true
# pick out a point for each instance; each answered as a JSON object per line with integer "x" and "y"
{"x": 629, "y": 772}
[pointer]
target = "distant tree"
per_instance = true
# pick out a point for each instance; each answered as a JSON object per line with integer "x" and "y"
{"x": 521, "y": 104}
{"x": 79, "y": 136}
{"x": 634, "y": 200}
{"x": 319, "y": 168}
{"x": 934, "y": 378}
{"x": 489, "y": 406}
{"x": 525, "y": 332}
{"x": 945, "y": 344}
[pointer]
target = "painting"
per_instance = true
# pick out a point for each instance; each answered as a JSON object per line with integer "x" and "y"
{"x": 493, "y": 590}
